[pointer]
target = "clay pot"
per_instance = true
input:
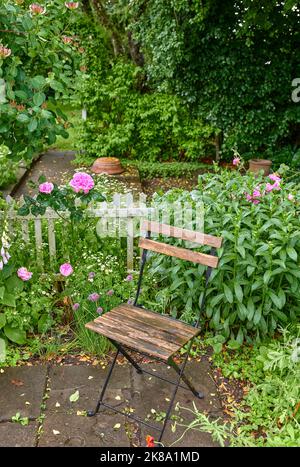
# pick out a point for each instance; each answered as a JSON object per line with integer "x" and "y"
{"x": 107, "y": 165}
{"x": 256, "y": 165}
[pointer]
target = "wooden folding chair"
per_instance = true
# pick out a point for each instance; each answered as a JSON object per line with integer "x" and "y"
{"x": 150, "y": 333}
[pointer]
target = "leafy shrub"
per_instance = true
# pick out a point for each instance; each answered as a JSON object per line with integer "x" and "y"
{"x": 38, "y": 66}
{"x": 150, "y": 170}
{"x": 8, "y": 167}
{"x": 256, "y": 287}
{"x": 127, "y": 120}
{"x": 269, "y": 413}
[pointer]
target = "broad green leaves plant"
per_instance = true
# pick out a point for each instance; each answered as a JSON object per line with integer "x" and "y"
{"x": 39, "y": 65}
{"x": 256, "y": 287}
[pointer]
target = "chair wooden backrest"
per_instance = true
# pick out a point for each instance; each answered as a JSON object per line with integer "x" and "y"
{"x": 183, "y": 253}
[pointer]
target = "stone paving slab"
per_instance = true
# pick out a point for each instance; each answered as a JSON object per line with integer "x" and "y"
{"x": 18, "y": 386}
{"x": 151, "y": 393}
{"x": 78, "y": 430}
{"x": 16, "y": 435}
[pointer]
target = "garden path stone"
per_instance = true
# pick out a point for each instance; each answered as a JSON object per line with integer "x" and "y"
{"x": 20, "y": 385}
{"x": 151, "y": 393}
{"x": 55, "y": 165}
{"x": 16, "y": 435}
{"x": 79, "y": 430}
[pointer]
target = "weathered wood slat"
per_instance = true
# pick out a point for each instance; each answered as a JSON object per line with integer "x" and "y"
{"x": 144, "y": 330}
{"x": 25, "y": 231}
{"x": 38, "y": 241}
{"x": 182, "y": 253}
{"x": 184, "y": 234}
{"x": 51, "y": 240}
{"x": 172, "y": 326}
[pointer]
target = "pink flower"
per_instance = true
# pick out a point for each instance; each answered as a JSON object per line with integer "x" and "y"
{"x": 37, "y": 9}
{"x": 24, "y": 274}
{"x": 93, "y": 297}
{"x": 236, "y": 161}
{"x": 91, "y": 276}
{"x": 46, "y": 188}
{"x": 75, "y": 306}
{"x": 274, "y": 186}
{"x": 130, "y": 302}
{"x": 4, "y": 51}
{"x": 129, "y": 278}
{"x": 72, "y": 5}
{"x": 99, "y": 310}
{"x": 82, "y": 181}
{"x": 110, "y": 293}
{"x": 291, "y": 197}
{"x": 275, "y": 178}
{"x": 256, "y": 193}
{"x": 67, "y": 39}
{"x": 1, "y": 265}
{"x": 66, "y": 269}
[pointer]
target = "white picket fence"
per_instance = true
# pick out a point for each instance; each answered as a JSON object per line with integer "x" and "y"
{"x": 120, "y": 218}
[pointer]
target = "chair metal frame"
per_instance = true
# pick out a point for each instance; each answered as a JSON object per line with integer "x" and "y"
{"x": 121, "y": 349}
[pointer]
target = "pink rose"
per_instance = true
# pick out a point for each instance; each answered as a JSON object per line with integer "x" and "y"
{"x": 275, "y": 178}
{"x": 236, "y": 161}
{"x": 37, "y": 9}
{"x": 24, "y": 274}
{"x": 274, "y": 186}
{"x": 46, "y": 188}
{"x": 72, "y": 5}
{"x": 66, "y": 269}
{"x": 4, "y": 51}
{"x": 82, "y": 181}
{"x": 291, "y": 197}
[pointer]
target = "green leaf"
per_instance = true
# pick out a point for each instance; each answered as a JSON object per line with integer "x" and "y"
{"x": 2, "y": 320}
{"x": 38, "y": 82}
{"x": 238, "y": 292}
{"x": 2, "y": 290}
{"x": 267, "y": 277}
{"x": 39, "y": 98}
{"x": 292, "y": 253}
{"x": 14, "y": 285}
{"x": 8, "y": 300}
{"x": 257, "y": 316}
{"x": 32, "y": 125}
{"x": 228, "y": 293}
{"x": 23, "y": 118}
{"x": 233, "y": 344}
{"x": 18, "y": 336}
{"x": 74, "y": 397}
{"x": 2, "y": 350}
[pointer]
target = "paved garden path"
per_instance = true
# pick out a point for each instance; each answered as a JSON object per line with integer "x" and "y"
{"x": 58, "y": 168}
{"x": 42, "y": 393}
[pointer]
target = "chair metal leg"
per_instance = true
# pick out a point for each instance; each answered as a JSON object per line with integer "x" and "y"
{"x": 186, "y": 380}
{"x": 91, "y": 413}
{"x": 180, "y": 372}
{"x": 127, "y": 356}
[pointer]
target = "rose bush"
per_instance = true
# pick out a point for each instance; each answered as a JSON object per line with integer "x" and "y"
{"x": 37, "y": 68}
{"x": 256, "y": 288}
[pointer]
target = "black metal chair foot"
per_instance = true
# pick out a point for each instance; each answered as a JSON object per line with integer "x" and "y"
{"x": 91, "y": 413}
{"x": 200, "y": 395}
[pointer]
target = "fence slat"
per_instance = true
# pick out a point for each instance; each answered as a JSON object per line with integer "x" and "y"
{"x": 38, "y": 241}
{"x": 51, "y": 240}
{"x": 130, "y": 234}
{"x": 25, "y": 231}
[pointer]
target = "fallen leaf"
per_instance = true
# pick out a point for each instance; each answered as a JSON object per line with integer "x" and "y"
{"x": 56, "y": 432}
{"x": 81, "y": 413}
{"x": 117, "y": 426}
{"x": 118, "y": 398}
{"x": 27, "y": 403}
{"x": 57, "y": 404}
{"x": 17, "y": 382}
{"x": 90, "y": 377}
{"x": 74, "y": 397}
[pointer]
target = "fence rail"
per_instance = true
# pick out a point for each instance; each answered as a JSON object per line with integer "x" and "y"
{"x": 121, "y": 218}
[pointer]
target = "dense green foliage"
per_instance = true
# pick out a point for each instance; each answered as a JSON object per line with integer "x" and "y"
{"x": 255, "y": 289}
{"x": 126, "y": 119}
{"x": 170, "y": 74}
{"x": 269, "y": 414}
{"x": 39, "y": 64}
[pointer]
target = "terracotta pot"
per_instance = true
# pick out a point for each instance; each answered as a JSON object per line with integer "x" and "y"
{"x": 107, "y": 165}
{"x": 256, "y": 165}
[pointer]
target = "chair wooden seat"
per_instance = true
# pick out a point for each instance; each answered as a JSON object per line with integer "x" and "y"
{"x": 144, "y": 330}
